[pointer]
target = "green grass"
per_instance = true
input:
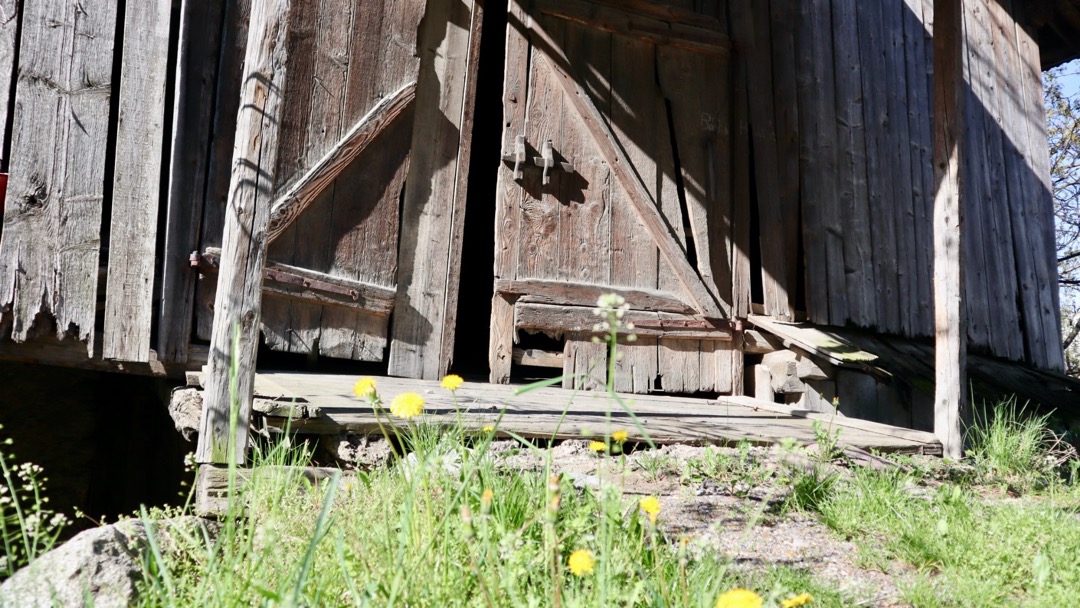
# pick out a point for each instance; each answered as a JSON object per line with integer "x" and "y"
{"x": 424, "y": 534}
{"x": 971, "y": 552}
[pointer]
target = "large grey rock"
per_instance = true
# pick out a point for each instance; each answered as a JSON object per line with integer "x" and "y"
{"x": 100, "y": 567}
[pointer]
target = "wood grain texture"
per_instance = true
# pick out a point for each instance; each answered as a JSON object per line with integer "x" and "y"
{"x": 9, "y": 25}
{"x": 821, "y": 215}
{"x": 538, "y": 413}
{"x": 639, "y": 119}
{"x": 299, "y": 195}
{"x": 950, "y": 403}
{"x": 859, "y": 278}
{"x": 140, "y": 135}
{"x": 919, "y": 106}
{"x": 52, "y": 219}
{"x": 752, "y": 29}
{"x": 626, "y": 22}
{"x": 344, "y": 65}
{"x": 433, "y": 210}
{"x": 741, "y": 178}
{"x": 243, "y": 254}
{"x": 581, "y": 320}
{"x": 1039, "y": 207}
{"x": 643, "y": 204}
{"x": 898, "y": 151}
{"x": 543, "y": 291}
{"x": 987, "y": 297}
{"x": 508, "y": 194}
{"x": 200, "y": 38}
{"x": 879, "y": 155}
{"x": 783, "y": 14}
{"x": 234, "y": 37}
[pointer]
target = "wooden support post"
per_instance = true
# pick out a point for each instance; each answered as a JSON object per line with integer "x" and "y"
{"x": 950, "y": 406}
{"x": 243, "y": 251}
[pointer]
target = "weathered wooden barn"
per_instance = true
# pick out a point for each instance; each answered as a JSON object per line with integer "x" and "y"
{"x": 433, "y": 184}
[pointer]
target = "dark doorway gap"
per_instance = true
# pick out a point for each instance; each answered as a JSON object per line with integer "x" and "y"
{"x": 477, "y": 282}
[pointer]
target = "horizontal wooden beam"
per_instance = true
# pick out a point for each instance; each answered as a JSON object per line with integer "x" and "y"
{"x": 542, "y": 291}
{"x": 538, "y": 358}
{"x": 212, "y": 483}
{"x": 759, "y": 343}
{"x": 665, "y": 11}
{"x": 47, "y": 350}
{"x": 623, "y": 20}
{"x": 580, "y": 320}
{"x": 300, "y": 194}
{"x": 312, "y": 286}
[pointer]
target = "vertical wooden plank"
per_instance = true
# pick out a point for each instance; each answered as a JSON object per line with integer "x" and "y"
{"x": 433, "y": 210}
{"x": 582, "y": 199}
{"x": 950, "y": 347}
{"x": 1008, "y": 97}
{"x": 823, "y": 243}
{"x": 311, "y": 118}
{"x": 639, "y": 120}
{"x": 234, "y": 37}
{"x": 740, "y": 187}
{"x": 860, "y": 291}
{"x": 678, "y": 361}
{"x": 919, "y": 144}
{"x": 9, "y": 26}
{"x": 508, "y": 194}
{"x": 539, "y": 228}
{"x": 898, "y": 150}
{"x": 196, "y": 79}
{"x": 584, "y": 195}
{"x": 752, "y": 31}
{"x": 879, "y": 176}
{"x": 501, "y": 346}
{"x": 1039, "y": 206}
{"x": 995, "y": 319}
{"x": 140, "y": 135}
{"x": 243, "y": 256}
{"x": 783, "y": 15}
{"x": 695, "y": 88}
{"x": 52, "y": 219}
{"x": 585, "y": 363}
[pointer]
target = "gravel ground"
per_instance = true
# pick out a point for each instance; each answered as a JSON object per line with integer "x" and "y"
{"x": 738, "y": 517}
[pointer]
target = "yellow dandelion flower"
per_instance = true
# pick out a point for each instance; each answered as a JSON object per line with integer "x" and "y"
{"x": 364, "y": 387}
{"x": 452, "y": 382}
{"x": 651, "y": 506}
{"x": 739, "y": 598}
{"x": 797, "y": 600}
{"x": 597, "y": 446}
{"x": 490, "y": 428}
{"x": 619, "y": 436}
{"x": 581, "y": 562}
{"x": 407, "y": 405}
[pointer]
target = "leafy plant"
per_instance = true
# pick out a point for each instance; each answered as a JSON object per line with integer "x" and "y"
{"x": 1011, "y": 444}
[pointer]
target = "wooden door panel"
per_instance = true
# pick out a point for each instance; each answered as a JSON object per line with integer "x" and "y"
{"x": 646, "y": 209}
{"x": 345, "y": 58}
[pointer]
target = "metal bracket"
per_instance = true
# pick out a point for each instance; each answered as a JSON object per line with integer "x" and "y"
{"x": 547, "y": 161}
{"x": 517, "y": 156}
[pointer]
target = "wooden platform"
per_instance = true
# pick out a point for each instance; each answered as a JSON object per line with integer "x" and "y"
{"x": 324, "y": 404}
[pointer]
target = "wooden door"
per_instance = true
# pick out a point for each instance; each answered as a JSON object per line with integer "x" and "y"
{"x": 635, "y": 100}
{"x": 343, "y": 236}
